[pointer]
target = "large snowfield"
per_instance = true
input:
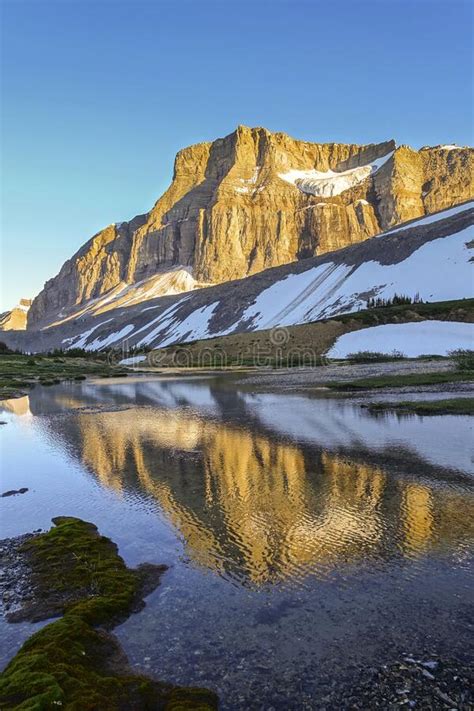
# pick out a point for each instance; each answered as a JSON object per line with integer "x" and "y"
{"x": 411, "y": 339}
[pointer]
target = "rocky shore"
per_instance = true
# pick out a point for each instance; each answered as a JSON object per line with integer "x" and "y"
{"x": 91, "y": 607}
{"x": 16, "y": 587}
{"x": 426, "y": 682}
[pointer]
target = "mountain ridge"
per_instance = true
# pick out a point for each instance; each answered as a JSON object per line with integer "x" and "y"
{"x": 406, "y": 260}
{"x": 228, "y": 212}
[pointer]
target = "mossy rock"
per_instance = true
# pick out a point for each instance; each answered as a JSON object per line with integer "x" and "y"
{"x": 88, "y": 574}
{"x": 70, "y": 664}
{"x": 74, "y": 662}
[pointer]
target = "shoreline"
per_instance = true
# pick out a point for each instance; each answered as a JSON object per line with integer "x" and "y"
{"x": 410, "y": 681}
{"x": 74, "y": 578}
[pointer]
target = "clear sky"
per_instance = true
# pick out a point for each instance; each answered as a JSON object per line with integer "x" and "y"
{"x": 97, "y": 97}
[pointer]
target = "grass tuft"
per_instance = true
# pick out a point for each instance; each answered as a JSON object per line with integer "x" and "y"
{"x": 452, "y": 406}
{"x": 400, "y": 381}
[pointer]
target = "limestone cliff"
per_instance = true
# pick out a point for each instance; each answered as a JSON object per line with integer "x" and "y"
{"x": 257, "y": 199}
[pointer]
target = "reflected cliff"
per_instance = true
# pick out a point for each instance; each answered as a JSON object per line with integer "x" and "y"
{"x": 253, "y": 505}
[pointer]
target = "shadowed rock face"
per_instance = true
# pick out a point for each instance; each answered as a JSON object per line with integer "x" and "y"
{"x": 254, "y": 200}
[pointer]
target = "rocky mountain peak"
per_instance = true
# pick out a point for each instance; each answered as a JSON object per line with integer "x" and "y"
{"x": 15, "y": 319}
{"x": 256, "y": 199}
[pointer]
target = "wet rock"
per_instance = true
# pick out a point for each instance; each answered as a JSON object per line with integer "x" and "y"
{"x": 408, "y": 684}
{"x": 15, "y": 492}
{"x": 15, "y": 585}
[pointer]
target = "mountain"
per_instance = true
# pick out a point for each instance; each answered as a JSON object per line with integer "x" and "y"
{"x": 250, "y": 201}
{"x": 431, "y": 257}
{"x": 15, "y": 320}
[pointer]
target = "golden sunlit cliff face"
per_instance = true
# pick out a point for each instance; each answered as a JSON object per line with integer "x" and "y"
{"x": 259, "y": 509}
{"x": 257, "y": 199}
{"x": 15, "y": 320}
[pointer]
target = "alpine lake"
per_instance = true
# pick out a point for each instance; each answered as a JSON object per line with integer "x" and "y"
{"x": 309, "y": 541}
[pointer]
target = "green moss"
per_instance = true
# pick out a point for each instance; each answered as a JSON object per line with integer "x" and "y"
{"x": 14, "y": 382}
{"x": 18, "y": 372}
{"x": 453, "y": 406}
{"x": 89, "y": 575}
{"x": 70, "y": 663}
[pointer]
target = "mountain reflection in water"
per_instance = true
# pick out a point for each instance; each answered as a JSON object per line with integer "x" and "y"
{"x": 251, "y": 503}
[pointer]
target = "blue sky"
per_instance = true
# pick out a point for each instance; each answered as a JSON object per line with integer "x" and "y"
{"x": 97, "y": 97}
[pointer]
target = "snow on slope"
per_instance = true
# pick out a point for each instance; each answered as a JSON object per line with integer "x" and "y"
{"x": 133, "y": 360}
{"x": 193, "y": 327}
{"x": 435, "y": 217}
{"x": 439, "y": 270}
{"x": 80, "y": 341}
{"x": 118, "y": 336}
{"x": 178, "y": 280}
{"x": 329, "y": 183}
{"x": 412, "y": 339}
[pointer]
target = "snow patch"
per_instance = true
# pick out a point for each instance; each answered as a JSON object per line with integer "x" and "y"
{"x": 100, "y": 343}
{"x": 329, "y": 183}
{"x": 248, "y": 183}
{"x": 80, "y": 341}
{"x": 163, "y": 321}
{"x": 165, "y": 283}
{"x": 412, "y": 339}
{"x": 133, "y": 360}
{"x": 436, "y": 217}
{"x": 194, "y": 326}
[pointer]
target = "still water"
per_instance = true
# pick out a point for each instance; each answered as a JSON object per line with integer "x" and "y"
{"x": 307, "y": 539}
